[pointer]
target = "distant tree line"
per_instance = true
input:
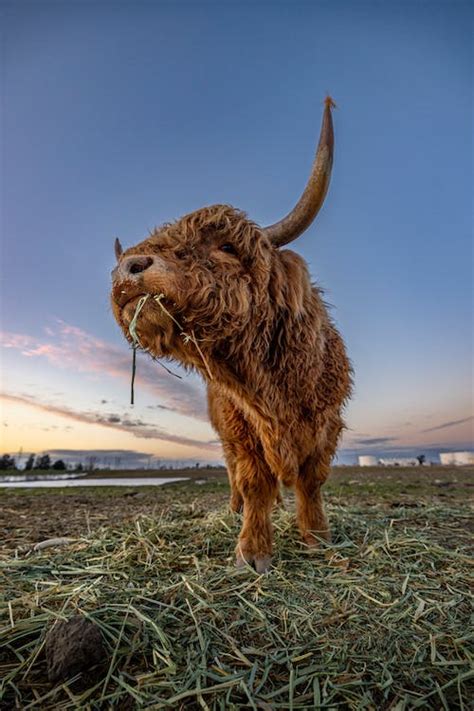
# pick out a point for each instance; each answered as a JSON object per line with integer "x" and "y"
{"x": 7, "y": 462}
{"x": 40, "y": 461}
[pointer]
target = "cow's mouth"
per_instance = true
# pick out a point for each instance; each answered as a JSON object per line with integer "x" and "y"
{"x": 128, "y": 308}
{"x": 130, "y": 303}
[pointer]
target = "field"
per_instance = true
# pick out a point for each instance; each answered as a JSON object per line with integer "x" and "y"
{"x": 378, "y": 619}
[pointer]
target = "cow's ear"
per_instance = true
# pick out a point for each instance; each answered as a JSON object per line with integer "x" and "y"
{"x": 118, "y": 249}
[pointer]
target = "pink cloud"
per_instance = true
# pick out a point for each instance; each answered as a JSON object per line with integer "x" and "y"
{"x": 19, "y": 341}
{"x": 136, "y": 427}
{"x": 73, "y": 349}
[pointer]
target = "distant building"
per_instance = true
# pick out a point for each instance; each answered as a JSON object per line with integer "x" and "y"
{"x": 457, "y": 459}
{"x": 368, "y": 460}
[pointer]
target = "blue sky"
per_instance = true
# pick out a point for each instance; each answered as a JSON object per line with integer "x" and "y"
{"x": 119, "y": 116}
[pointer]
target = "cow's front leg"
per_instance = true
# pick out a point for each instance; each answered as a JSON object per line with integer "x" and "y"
{"x": 312, "y": 520}
{"x": 258, "y": 487}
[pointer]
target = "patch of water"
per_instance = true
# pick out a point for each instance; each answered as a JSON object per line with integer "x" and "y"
{"x": 55, "y": 484}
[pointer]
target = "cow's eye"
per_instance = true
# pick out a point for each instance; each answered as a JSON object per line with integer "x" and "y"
{"x": 180, "y": 254}
{"x": 228, "y": 248}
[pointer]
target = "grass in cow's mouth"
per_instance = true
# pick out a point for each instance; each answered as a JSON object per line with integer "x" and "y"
{"x": 377, "y": 620}
{"x": 132, "y": 329}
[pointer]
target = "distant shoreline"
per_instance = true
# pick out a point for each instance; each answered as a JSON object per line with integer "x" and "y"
{"x": 49, "y": 475}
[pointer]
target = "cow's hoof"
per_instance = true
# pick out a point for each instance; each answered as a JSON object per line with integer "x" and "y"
{"x": 313, "y": 540}
{"x": 261, "y": 563}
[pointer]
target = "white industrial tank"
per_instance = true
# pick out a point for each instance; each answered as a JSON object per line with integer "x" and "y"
{"x": 459, "y": 459}
{"x": 367, "y": 460}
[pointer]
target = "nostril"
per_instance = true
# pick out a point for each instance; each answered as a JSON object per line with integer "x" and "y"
{"x": 139, "y": 264}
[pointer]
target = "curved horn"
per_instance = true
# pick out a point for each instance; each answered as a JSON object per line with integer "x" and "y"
{"x": 118, "y": 249}
{"x": 306, "y": 209}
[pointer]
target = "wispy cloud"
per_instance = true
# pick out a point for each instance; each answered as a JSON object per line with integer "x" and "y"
{"x": 72, "y": 348}
{"x": 451, "y": 423}
{"x": 375, "y": 440}
{"x": 138, "y": 428}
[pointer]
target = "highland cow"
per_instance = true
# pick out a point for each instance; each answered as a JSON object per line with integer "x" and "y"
{"x": 259, "y": 333}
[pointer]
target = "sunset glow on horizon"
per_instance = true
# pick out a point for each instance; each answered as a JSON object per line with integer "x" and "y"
{"x": 169, "y": 421}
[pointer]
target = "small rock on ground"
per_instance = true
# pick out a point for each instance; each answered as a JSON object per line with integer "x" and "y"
{"x": 73, "y": 646}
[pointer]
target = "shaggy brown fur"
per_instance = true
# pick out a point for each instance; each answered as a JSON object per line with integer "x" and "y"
{"x": 280, "y": 374}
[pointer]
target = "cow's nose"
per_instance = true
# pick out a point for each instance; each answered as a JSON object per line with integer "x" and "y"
{"x": 135, "y": 264}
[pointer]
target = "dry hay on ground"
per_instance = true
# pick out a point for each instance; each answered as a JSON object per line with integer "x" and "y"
{"x": 379, "y": 619}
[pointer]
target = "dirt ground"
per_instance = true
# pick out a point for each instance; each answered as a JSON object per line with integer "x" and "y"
{"x": 28, "y": 516}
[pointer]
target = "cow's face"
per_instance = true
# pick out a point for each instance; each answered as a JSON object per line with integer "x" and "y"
{"x": 210, "y": 271}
